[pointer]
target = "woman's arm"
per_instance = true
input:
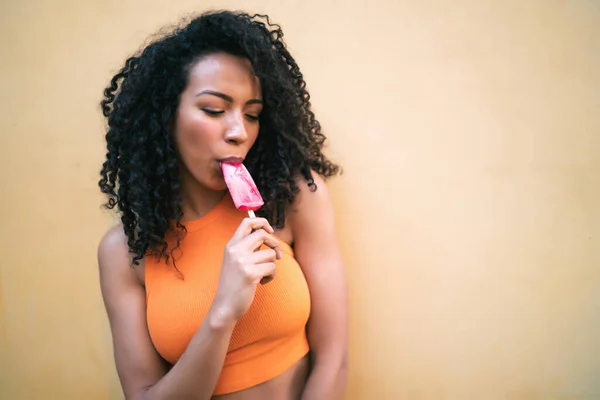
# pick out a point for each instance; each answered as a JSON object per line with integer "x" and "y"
{"x": 142, "y": 371}
{"x": 316, "y": 249}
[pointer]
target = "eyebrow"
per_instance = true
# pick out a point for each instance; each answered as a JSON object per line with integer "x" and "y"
{"x": 227, "y": 98}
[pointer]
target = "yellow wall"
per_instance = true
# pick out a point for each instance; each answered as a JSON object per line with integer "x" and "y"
{"x": 469, "y": 209}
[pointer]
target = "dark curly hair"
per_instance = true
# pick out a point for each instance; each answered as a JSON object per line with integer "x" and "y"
{"x": 141, "y": 176}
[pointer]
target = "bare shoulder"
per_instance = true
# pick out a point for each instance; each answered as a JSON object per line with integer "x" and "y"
{"x": 114, "y": 258}
{"x": 311, "y": 217}
{"x": 313, "y": 203}
{"x": 114, "y": 240}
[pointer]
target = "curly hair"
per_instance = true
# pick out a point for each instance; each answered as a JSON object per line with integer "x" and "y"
{"x": 141, "y": 173}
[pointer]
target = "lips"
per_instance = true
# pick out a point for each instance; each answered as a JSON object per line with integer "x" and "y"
{"x": 231, "y": 160}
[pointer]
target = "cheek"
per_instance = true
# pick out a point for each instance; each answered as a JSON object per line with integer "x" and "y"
{"x": 196, "y": 136}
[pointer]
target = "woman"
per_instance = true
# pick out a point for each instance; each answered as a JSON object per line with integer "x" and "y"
{"x": 181, "y": 275}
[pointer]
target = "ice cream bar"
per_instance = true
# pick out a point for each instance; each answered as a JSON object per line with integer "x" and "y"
{"x": 242, "y": 188}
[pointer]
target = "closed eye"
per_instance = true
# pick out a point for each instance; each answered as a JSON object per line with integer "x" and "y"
{"x": 252, "y": 117}
{"x": 212, "y": 112}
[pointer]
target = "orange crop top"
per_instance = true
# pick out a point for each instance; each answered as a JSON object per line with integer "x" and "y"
{"x": 266, "y": 341}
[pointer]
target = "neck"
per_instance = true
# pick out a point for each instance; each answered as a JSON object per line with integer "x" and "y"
{"x": 197, "y": 200}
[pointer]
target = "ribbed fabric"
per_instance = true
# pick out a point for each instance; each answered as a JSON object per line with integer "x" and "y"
{"x": 266, "y": 341}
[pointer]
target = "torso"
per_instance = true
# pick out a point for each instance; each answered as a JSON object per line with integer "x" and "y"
{"x": 288, "y": 385}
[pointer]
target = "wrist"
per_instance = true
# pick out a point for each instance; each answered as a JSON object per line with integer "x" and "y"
{"x": 219, "y": 319}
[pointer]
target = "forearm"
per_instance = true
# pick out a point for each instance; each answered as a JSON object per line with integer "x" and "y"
{"x": 327, "y": 379}
{"x": 197, "y": 371}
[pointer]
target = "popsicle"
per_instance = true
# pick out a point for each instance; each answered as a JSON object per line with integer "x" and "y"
{"x": 244, "y": 193}
{"x": 242, "y": 188}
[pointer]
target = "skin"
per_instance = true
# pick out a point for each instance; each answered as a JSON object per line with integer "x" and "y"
{"x": 217, "y": 118}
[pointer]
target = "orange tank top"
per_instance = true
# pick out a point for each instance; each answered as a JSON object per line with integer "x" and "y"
{"x": 266, "y": 341}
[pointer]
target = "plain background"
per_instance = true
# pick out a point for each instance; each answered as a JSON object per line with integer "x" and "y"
{"x": 469, "y": 210}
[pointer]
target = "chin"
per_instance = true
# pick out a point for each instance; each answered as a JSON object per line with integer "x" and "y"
{"x": 220, "y": 186}
{"x": 210, "y": 180}
{"x": 216, "y": 183}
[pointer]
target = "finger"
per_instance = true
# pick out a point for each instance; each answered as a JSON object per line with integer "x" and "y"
{"x": 263, "y": 256}
{"x": 260, "y": 237}
{"x": 278, "y": 253}
{"x": 264, "y": 272}
{"x": 248, "y": 225}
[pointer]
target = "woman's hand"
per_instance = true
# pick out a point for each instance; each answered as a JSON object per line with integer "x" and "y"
{"x": 244, "y": 266}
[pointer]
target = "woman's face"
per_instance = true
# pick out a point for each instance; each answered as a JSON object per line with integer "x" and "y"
{"x": 217, "y": 118}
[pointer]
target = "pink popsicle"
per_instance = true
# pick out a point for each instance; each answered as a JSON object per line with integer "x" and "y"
{"x": 242, "y": 188}
{"x": 244, "y": 193}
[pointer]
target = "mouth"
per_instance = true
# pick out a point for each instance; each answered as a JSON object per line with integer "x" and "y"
{"x": 231, "y": 160}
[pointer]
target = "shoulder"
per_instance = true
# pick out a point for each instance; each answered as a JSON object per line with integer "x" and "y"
{"x": 311, "y": 200}
{"x": 113, "y": 245}
{"x": 113, "y": 239}
{"x": 114, "y": 258}
{"x": 312, "y": 209}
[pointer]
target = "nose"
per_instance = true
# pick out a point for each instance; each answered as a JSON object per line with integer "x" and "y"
{"x": 236, "y": 131}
